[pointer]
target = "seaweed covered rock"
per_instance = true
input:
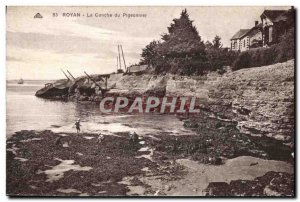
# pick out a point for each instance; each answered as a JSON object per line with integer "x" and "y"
{"x": 270, "y": 184}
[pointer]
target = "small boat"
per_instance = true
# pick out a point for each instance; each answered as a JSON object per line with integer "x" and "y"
{"x": 21, "y": 81}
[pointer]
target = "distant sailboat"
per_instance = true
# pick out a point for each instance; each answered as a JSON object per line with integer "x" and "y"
{"x": 21, "y": 81}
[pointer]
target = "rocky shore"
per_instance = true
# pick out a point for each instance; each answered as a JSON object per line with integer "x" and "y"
{"x": 260, "y": 99}
{"x": 49, "y": 164}
{"x": 243, "y": 143}
{"x": 219, "y": 161}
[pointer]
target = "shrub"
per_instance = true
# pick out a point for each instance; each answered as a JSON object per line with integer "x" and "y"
{"x": 220, "y": 57}
{"x": 243, "y": 61}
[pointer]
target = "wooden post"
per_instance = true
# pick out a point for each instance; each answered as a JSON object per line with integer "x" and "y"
{"x": 123, "y": 59}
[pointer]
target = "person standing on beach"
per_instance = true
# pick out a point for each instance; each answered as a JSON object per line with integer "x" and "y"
{"x": 77, "y": 124}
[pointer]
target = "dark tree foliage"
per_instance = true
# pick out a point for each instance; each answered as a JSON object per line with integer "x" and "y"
{"x": 183, "y": 39}
{"x": 181, "y": 51}
{"x": 217, "y": 56}
{"x": 220, "y": 57}
{"x": 208, "y": 45}
{"x": 149, "y": 53}
{"x": 217, "y": 42}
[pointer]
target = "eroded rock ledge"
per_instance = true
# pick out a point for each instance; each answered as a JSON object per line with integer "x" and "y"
{"x": 260, "y": 99}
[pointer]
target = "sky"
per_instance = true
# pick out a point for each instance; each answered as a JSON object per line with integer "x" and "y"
{"x": 38, "y": 48}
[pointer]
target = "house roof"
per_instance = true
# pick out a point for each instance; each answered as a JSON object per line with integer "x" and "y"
{"x": 243, "y": 32}
{"x": 258, "y": 26}
{"x": 275, "y": 15}
{"x": 240, "y": 34}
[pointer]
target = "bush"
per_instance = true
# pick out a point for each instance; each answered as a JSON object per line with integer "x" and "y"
{"x": 182, "y": 66}
{"x": 220, "y": 57}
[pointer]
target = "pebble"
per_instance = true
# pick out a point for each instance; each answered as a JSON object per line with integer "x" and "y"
{"x": 157, "y": 193}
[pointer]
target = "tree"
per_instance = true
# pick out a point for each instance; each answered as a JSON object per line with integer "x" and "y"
{"x": 218, "y": 57}
{"x": 208, "y": 45}
{"x": 183, "y": 39}
{"x": 217, "y": 42}
{"x": 181, "y": 48}
{"x": 149, "y": 53}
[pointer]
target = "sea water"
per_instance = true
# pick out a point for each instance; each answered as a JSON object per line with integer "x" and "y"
{"x": 25, "y": 111}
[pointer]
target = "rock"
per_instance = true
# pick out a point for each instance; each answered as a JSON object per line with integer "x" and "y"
{"x": 83, "y": 98}
{"x": 66, "y": 144}
{"x": 168, "y": 187}
{"x": 218, "y": 189}
{"x": 189, "y": 124}
{"x": 133, "y": 138}
{"x": 266, "y": 106}
{"x": 97, "y": 99}
{"x": 215, "y": 160}
{"x": 58, "y": 141}
{"x": 157, "y": 193}
{"x": 270, "y": 184}
{"x": 270, "y": 192}
{"x": 100, "y": 138}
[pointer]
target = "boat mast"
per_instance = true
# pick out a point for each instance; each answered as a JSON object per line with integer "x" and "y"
{"x": 117, "y": 63}
{"x": 65, "y": 74}
{"x": 123, "y": 58}
{"x": 119, "y": 56}
{"x": 71, "y": 75}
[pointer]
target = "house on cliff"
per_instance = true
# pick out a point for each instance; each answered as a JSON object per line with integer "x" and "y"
{"x": 245, "y": 39}
{"x": 237, "y": 40}
{"x": 274, "y": 23}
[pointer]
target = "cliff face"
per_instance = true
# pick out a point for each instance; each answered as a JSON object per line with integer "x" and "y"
{"x": 260, "y": 99}
{"x": 171, "y": 85}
